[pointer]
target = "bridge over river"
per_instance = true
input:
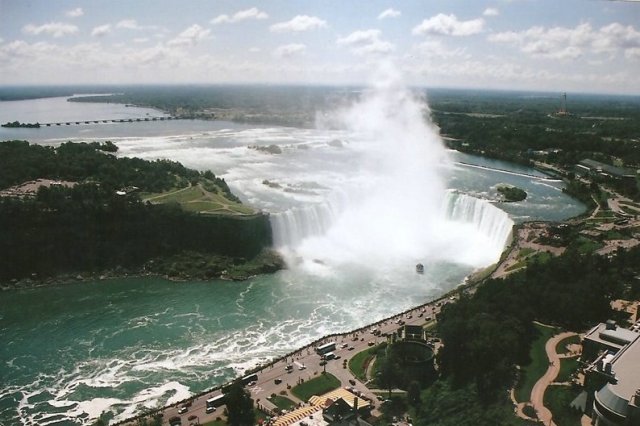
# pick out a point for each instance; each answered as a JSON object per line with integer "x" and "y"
{"x": 120, "y": 120}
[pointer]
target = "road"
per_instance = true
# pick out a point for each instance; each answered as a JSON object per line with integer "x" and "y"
{"x": 265, "y": 385}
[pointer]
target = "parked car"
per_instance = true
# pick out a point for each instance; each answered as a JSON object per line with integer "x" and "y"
{"x": 183, "y": 409}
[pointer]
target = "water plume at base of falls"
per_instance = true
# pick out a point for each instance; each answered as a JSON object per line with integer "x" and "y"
{"x": 391, "y": 204}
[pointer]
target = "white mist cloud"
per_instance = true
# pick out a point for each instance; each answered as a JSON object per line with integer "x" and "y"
{"x": 391, "y": 207}
{"x": 289, "y": 50}
{"x": 435, "y": 48}
{"x": 75, "y": 13}
{"x": 242, "y": 15}
{"x": 365, "y": 42}
{"x": 572, "y": 43}
{"x": 389, "y": 13}
{"x": 130, "y": 24}
{"x": 449, "y": 25}
{"x": 55, "y": 29}
{"x": 298, "y": 24}
{"x": 101, "y": 30}
{"x": 491, "y": 11}
{"x": 190, "y": 36}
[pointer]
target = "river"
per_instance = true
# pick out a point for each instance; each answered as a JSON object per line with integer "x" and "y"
{"x": 123, "y": 345}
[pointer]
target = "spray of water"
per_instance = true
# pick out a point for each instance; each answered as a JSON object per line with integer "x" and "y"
{"x": 394, "y": 208}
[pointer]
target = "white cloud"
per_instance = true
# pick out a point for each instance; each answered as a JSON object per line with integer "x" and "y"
{"x": 132, "y": 24}
{"x": 55, "y": 29}
{"x": 140, "y": 39}
{"x": 365, "y": 42}
{"x": 75, "y": 13}
{"x": 289, "y": 50}
{"x": 255, "y": 50}
{"x": 632, "y": 53}
{"x": 571, "y": 43}
{"x": 617, "y": 36}
{"x": 491, "y": 11}
{"x": 299, "y": 23}
{"x": 101, "y": 30}
{"x": 129, "y": 24}
{"x": 190, "y": 37}
{"x": 435, "y": 48}
{"x": 360, "y": 37}
{"x": 242, "y": 15}
{"x": 449, "y": 25}
{"x": 389, "y": 13}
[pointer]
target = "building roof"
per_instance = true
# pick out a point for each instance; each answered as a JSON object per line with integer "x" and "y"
{"x": 624, "y": 365}
{"x": 617, "y": 337}
{"x": 606, "y": 168}
{"x": 339, "y": 393}
{"x": 300, "y": 414}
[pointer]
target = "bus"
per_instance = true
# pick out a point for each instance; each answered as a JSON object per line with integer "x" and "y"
{"x": 326, "y": 348}
{"x": 250, "y": 378}
{"x": 216, "y": 401}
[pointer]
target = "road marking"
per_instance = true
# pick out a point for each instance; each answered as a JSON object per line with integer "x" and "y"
{"x": 256, "y": 389}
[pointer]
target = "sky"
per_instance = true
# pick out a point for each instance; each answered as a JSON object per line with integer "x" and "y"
{"x": 540, "y": 45}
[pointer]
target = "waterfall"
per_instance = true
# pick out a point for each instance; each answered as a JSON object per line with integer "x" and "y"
{"x": 487, "y": 219}
{"x": 291, "y": 227}
{"x": 468, "y": 229}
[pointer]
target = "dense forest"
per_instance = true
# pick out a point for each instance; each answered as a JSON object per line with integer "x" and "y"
{"x": 91, "y": 226}
{"x": 488, "y": 332}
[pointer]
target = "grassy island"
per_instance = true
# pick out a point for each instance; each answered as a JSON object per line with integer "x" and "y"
{"x": 79, "y": 210}
{"x": 511, "y": 193}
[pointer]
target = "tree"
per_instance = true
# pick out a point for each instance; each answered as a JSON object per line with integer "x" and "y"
{"x": 413, "y": 392}
{"x": 388, "y": 373}
{"x": 239, "y": 405}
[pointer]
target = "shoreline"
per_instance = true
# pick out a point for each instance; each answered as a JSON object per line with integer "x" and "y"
{"x": 269, "y": 262}
{"x": 435, "y": 305}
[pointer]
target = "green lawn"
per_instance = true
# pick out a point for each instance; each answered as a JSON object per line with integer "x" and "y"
{"x": 524, "y": 252}
{"x": 282, "y": 402}
{"x": 317, "y": 386}
{"x": 567, "y": 367}
{"x": 197, "y": 199}
{"x": 561, "y": 347}
{"x": 176, "y": 196}
{"x": 538, "y": 365}
{"x": 586, "y": 245}
{"x": 358, "y": 361}
{"x": 557, "y": 399}
{"x": 215, "y": 423}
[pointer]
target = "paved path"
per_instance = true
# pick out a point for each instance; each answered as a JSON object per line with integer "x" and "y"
{"x": 537, "y": 393}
